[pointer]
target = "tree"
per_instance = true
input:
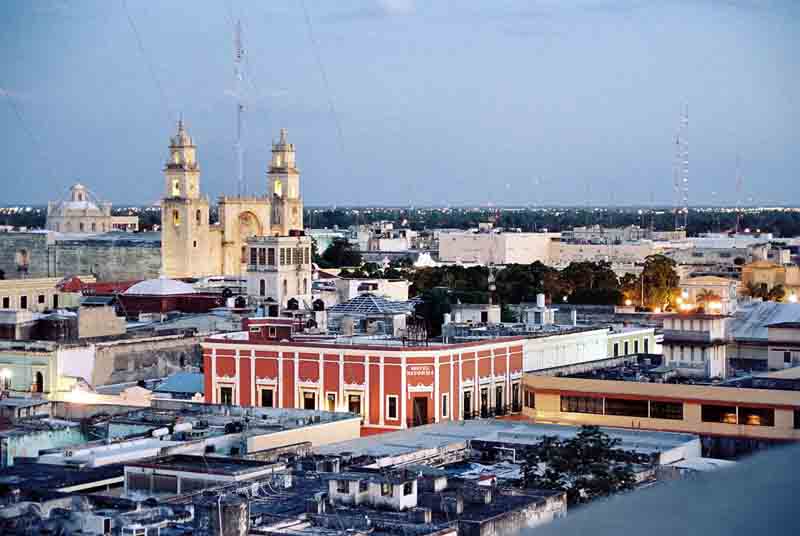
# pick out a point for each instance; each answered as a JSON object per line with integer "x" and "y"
{"x": 435, "y": 303}
{"x": 776, "y": 293}
{"x": 707, "y": 296}
{"x": 660, "y": 281}
{"x": 340, "y": 253}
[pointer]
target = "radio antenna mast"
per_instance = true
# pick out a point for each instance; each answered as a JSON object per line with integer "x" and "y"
{"x": 239, "y": 73}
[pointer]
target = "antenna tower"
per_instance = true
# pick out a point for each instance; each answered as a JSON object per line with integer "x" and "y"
{"x": 683, "y": 137}
{"x": 739, "y": 184}
{"x": 239, "y": 73}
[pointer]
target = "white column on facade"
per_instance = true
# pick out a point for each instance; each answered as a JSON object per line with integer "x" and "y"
{"x": 476, "y": 387}
{"x": 508, "y": 373}
{"x": 340, "y": 395}
{"x": 321, "y": 397}
{"x": 296, "y": 380}
{"x": 365, "y": 396}
{"x": 214, "y": 376}
{"x": 253, "y": 401}
{"x": 237, "y": 389}
{"x": 279, "y": 381}
{"x": 451, "y": 395}
{"x": 436, "y": 401}
{"x": 382, "y": 400}
{"x": 403, "y": 395}
{"x": 492, "y": 397}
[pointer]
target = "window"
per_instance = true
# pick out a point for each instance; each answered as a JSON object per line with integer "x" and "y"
{"x": 797, "y": 419}
{"x": 484, "y": 402}
{"x": 467, "y": 405}
{"x": 391, "y": 407}
{"x": 626, "y": 408}
{"x": 636, "y": 347}
{"x": 408, "y": 488}
{"x": 354, "y": 404}
{"x": 647, "y": 346}
{"x": 176, "y": 217}
{"x": 530, "y": 399}
{"x": 787, "y": 357}
{"x": 262, "y": 287}
{"x": 23, "y": 302}
{"x": 283, "y": 256}
{"x": 714, "y": 413}
{"x": 341, "y": 486}
{"x": 626, "y": 348}
{"x": 298, "y": 256}
{"x": 757, "y": 416}
{"x": 81, "y": 226}
{"x": 273, "y": 332}
{"x": 307, "y": 255}
{"x": 6, "y": 302}
{"x": 616, "y": 349}
{"x": 305, "y": 285}
{"x": 267, "y": 398}
{"x": 445, "y": 405}
{"x": 194, "y": 243}
{"x": 94, "y": 227}
{"x": 271, "y": 256}
{"x": 386, "y": 489}
{"x": 40, "y": 298}
{"x": 262, "y": 256}
{"x": 226, "y": 396}
{"x": 666, "y": 410}
{"x": 362, "y": 486}
{"x": 253, "y": 256}
{"x": 55, "y": 301}
{"x": 309, "y": 400}
{"x": 582, "y": 404}
{"x": 198, "y": 217}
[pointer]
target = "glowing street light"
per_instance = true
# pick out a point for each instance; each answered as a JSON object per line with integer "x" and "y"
{"x": 793, "y": 298}
{"x": 628, "y": 302}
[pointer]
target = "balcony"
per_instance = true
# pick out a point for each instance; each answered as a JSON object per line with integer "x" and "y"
{"x": 679, "y": 335}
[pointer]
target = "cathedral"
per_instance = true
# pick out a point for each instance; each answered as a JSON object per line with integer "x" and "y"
{"x": 191, "y": 246}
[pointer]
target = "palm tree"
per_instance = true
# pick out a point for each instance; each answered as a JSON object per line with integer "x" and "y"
{"x": 707, "y": 296}
{"x": 776, "y": 293}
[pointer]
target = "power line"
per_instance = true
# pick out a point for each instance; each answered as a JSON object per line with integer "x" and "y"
{"x": 324, "y": 75}
{"x": 149, "y": 63}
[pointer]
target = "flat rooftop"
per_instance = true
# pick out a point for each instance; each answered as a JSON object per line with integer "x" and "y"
{"x": 441, "y": 435}
{"x": 209, "y": 465}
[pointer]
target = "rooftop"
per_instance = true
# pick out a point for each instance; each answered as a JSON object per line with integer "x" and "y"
{"x": 370, "y": 304}
{"x": 182, "y": 382}
{"x": 210, "y": 465}
{"x": 442, "y": 435}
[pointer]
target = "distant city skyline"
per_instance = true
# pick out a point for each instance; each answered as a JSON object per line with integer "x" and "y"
{"x": 398, "y": 103}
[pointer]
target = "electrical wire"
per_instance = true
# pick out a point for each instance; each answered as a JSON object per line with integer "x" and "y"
{"x": 326, "y": 84}
{"x": 148, "y": 61}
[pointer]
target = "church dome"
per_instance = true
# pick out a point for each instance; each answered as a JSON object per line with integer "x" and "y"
{"x": 163, "y": 286}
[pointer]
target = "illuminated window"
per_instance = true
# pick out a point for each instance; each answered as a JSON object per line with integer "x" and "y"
{"x": 278, "y": 188}
{"x": 198, "y": 216}
{"x": 721, "y": 414}
{"x": 176, "y": 217}
{"x": 271, "y": 256}
{"x": 176, "y": 188}
{"x": 582, "y": 404}
{"x": 757, "y": 416}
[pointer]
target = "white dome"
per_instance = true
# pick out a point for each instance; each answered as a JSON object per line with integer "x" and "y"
{"x": 162, "y": 286}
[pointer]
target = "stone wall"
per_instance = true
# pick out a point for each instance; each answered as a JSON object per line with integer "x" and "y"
{"x": 143, "y": 359}
{"x": 538, "y": 511}
{"x": 113, "y": 259}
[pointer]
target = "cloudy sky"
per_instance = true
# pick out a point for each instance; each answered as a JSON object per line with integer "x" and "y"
{"x": 402, "y": 101}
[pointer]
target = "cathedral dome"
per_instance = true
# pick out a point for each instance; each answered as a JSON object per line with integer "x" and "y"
{"x": 163, "y": 286}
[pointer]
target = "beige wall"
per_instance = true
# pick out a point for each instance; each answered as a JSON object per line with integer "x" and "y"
{"x": 318, "y": 434}
{"x": 635, "y": 340}
{"x": 99, "y": 322}
{"x": 12, "y": 290}
{"x": 548, "y": 406}
{"x": 496, "y": 248}
{"x": 563, "y": 253}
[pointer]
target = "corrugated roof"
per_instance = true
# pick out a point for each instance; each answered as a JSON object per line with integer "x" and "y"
{"x": 182, "y": 382}
{"x": 750, "y": 322}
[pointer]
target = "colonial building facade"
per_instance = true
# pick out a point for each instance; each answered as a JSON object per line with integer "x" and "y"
{"x": 193, "y": 247}
{"x": 391, "y": 386}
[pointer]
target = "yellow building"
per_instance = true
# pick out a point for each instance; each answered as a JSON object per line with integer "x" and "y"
{"x": 193, "y": 247}
{"x": 700, "y": 409}
{"x": 37, "y": 294}
{"x": 768, "y": 274}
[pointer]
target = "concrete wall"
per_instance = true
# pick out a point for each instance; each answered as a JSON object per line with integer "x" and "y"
{"x": 99, "y": 322}
{"x": 317, "y": 434}
{"x": 497, "y": 248}
{"x": 561, "y": 350}
{"x": 35, "y": 247}
{"x": 141, "y": 359}
{"x": 511, "y": 522}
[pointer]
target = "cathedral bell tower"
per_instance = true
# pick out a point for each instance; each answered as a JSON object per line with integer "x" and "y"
{"x": 284, "y": 189}
{"x": 184, "y": 212}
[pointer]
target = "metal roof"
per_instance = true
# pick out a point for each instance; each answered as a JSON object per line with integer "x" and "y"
{"x": 182, "y": 382}
{"x": 750, "y": 322}
{"x": 370, "y": 304}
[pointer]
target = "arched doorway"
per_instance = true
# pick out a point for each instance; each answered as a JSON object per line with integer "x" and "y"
{"x": 39, "y": 384}
{"x": 249, "y": 226}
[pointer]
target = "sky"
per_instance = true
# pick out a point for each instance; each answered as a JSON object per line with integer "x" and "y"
{"x": 398, "y": 102}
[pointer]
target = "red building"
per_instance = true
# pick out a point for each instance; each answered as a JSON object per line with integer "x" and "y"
{"x": 391, "y": 385}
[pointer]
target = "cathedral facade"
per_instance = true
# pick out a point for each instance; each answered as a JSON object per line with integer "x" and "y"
{"x": 191, "y": 246}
